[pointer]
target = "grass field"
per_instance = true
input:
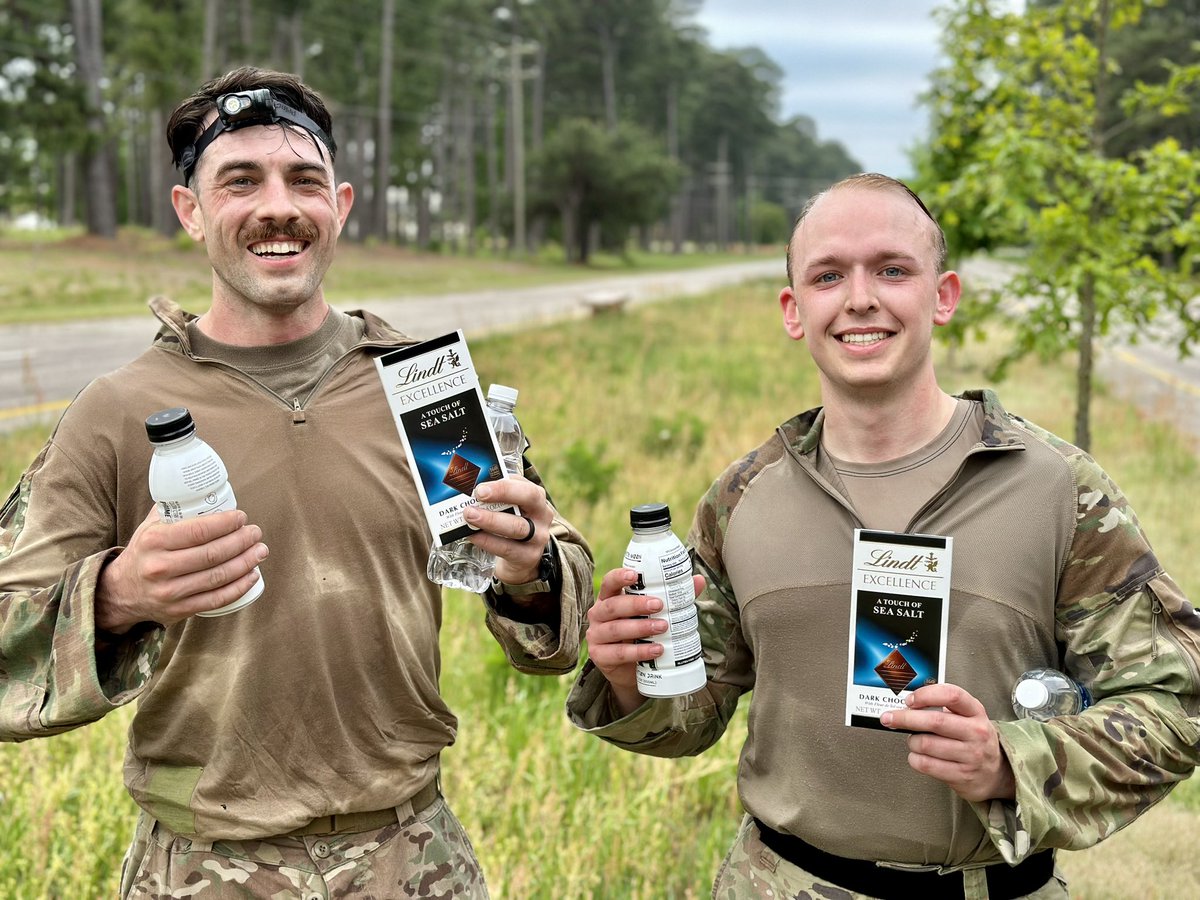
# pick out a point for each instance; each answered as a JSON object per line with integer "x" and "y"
{"x": 621, "y": 410}
{"x": 75, "y": 276}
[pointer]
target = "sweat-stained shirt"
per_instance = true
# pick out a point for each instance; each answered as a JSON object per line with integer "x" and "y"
{"x": 321, "y": 697}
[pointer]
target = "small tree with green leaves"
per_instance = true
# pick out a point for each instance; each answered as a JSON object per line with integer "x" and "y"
{"x": 614, "y": 178}
{"x": 1017, "y": 157}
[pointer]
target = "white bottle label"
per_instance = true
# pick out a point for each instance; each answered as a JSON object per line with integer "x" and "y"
{"x": 665, "y": 571}
{"x": 214, "y": 501}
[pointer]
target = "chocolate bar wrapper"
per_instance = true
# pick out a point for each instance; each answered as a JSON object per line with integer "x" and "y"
{"x": 438, "y": 408}
{"x": 899, "y": 609}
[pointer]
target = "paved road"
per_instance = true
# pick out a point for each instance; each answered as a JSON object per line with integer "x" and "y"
{"x": 43, "y": 366}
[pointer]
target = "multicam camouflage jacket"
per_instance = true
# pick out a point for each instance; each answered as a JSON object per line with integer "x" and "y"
{"x": 331, "y": 676}
{"x": 1050, "y": 569}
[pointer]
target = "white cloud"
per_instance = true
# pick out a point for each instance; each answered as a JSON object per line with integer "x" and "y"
{"x": 856, "y": 68}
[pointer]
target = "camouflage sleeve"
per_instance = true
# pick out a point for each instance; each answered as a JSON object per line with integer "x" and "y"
{"x": 1133, "y": 639}
{"x": 682, "y": 726}
{"x": 53, "y": 674}
{"x": 548, "y": 641}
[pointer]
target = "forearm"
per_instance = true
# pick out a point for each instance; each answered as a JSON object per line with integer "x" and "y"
{"x": 59, "y": 674}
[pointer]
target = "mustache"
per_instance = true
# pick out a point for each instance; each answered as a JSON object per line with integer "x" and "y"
{"x": 296, "y": 231}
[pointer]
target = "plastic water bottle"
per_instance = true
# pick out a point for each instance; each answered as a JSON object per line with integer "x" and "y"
{"x": 462, "y": 564}
{"x": 665, "y": 571}
{"x": 1042, "y": 694}
{"x": 187, "y": 479}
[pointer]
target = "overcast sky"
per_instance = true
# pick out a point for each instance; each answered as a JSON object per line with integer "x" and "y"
{"x": 855, "y": 66}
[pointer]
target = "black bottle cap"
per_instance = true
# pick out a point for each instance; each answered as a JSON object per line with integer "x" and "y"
{"x": 169, "y": 425}
{"x": 650, "y": 515}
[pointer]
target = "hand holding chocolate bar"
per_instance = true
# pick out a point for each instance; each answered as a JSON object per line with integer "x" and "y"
{"x": 508, "y": 536}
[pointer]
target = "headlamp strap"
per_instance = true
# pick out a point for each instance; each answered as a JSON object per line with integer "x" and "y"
{"x": 242, "y": 109}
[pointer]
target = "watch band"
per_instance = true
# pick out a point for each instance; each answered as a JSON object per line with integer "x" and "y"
{"x": 547, "y": 581}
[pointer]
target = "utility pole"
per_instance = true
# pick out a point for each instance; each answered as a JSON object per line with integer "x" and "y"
{"x": 516, "y": 95}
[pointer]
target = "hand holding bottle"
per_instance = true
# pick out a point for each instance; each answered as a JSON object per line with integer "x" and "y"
{"x": 170, "y": 571}
{"x": 620, "y": 633}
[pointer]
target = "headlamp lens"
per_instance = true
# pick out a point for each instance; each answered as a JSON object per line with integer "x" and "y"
{"x": 247, "y": 107}
{"x": 233, "y": 104}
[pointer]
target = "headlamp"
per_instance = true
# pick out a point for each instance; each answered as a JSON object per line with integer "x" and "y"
{"x": 240, "y": 109}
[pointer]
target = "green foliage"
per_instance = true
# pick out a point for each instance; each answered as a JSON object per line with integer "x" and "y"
{"x": 681, "y": 433}
{"x": 593, "y": 176}
{"x": 1017, "y": 157}
{"x": 554, "y": 813}
{"x": 769, "y": 224}
{"x": 585, "y": 475}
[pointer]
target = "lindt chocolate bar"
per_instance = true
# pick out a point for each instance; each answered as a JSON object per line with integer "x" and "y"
{"x": 899, "y": 610}
{"x": 434, "y": 396}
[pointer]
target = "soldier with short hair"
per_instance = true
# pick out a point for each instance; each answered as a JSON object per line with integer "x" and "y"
{"x": 1050, "y": 569}
{"x": 290, "y": 748}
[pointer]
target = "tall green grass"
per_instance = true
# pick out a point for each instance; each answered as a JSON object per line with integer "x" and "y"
{"x": 621, "y": 410}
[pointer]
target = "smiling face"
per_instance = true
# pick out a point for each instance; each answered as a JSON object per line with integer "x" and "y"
{"x": 866, "y": 292}
{"x": 267, "y": 208}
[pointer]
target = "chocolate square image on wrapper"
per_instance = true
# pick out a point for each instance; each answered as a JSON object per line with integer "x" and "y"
{"x": 461, "y": 474}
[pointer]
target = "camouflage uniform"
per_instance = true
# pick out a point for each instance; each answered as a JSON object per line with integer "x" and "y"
{"x": 320, "y": 699}
{"x": 1033, "y": 518}
{"x": 428, "y": 855}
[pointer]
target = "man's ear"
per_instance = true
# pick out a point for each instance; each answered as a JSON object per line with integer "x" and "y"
{"x": 949, "y": 292}
{"x": 345, "y": 199}
{"x": 791, "y": 314}
{"x": 187, "y": 209}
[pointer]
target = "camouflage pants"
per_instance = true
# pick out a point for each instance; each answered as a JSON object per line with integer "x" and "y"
{"x": 428, "y": 855}
{"x": 752, "y": 869}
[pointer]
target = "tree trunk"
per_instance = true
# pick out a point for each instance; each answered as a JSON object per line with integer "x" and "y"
{"x": 383, "y": 140}
{"x": 608, "y": 76}
{"x": 517, "y": 148}
{"x": 676, "y": 216}
{"x": 1083, "y": 376}
{"x": 444, "y": 153}
{"x": 1087, "y": 291}
{"x": 68, "y": 167}
{"x": 208, "y": 51}
{"x": 492, "y": 165}
{"x": 100, "y": 187}
{"x": 246, "y": 25}
{"x": 162, "y": 176}
{"x": 721, "y": 185}
{"x": 537, "y": 117}
{"x": 467, "y": 146}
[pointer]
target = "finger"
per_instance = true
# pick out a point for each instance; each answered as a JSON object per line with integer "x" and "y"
{"x": 935, "y": 721}
{"x": 615, "y": 581}
{"x": 610, "y": 656}
{"x": 215, "y": 599}
{"x": 634, "y": 628}
{"x": 950, "y": 750}
{"x": 504, "y": 525}
{"x": 950, "y": 696}
{"x": 199, "y": 530}
{"x": 168, "y": 564}
{"x": 216, "y": 579}
{"x": 517, "y": 490}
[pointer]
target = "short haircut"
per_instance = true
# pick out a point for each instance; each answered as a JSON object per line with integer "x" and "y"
{"x": 873, "y": 181}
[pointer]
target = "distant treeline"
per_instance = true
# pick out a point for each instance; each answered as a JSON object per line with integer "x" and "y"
{"x": 458, "y": 121}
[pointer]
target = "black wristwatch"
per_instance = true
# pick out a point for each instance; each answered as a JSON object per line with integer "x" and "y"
{"x": 549, "y": 578}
